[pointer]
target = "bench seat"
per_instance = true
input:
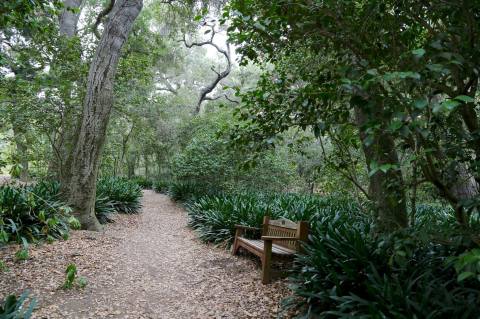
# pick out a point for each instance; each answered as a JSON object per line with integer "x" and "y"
{"x": 259, "y": 245}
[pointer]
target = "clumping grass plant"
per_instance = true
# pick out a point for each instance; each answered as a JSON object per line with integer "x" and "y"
{"x": 215, "y": 216}
{"x": 123, "y": 194}
{"x": 350, "y": 270}
{"x": 161, "y": 186}
{"x": 189, "y": 191}
{"x": 18, "y": 307}
{"x": 143, "y": 182}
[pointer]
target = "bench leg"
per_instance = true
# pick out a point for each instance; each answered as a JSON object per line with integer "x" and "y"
{"x": 266, "y": 262}
{"x": 235, "y": 247}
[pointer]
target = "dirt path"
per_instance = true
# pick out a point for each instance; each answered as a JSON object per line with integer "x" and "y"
{"x": 144, "y": 266}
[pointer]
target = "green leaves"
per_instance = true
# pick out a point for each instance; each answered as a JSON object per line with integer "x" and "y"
{"x": 391, "y": 76}
{"x": 22, "y": 254}
{"x": 71, "y": 278}
{"x": 418, "y": 53}
{"x": 214, "y": 217}
{"x": 465, "y": 99}
{"x": 124, "y": 194}
{"x": 74, "y": 223}
{"x": 421, "y": 103}
{"x": 446, "y": 107}
{"x": 384, "y": 168}
{"x": 467, "y": 265}
{"x": 32, "y": 213}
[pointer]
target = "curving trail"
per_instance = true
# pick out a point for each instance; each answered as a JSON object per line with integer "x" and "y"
{"x": 143, "y": 266}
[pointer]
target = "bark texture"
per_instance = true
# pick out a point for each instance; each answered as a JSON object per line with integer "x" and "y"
{"x": 385, "y": 189}
{"x": 464, "y": 188}
{"x": 69, "y": 17}
{"x": 97, "y": 106}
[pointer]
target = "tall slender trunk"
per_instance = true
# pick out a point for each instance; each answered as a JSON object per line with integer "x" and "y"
{"x": 64, "y": 139}
{"x": 386, "y": 188}
{"x": 86, "y": 155}
{"x": 21, "y": 151}
{"x": 413, "y": 197}
{"x": 147, "y": 165}
{"x": 131, "y": 163}
{"x": 124, "y": 150}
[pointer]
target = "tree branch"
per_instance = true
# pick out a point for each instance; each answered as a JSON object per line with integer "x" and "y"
{"x": 220, "y": 75}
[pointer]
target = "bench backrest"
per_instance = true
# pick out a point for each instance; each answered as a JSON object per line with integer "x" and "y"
{"x": 286, "y": 228}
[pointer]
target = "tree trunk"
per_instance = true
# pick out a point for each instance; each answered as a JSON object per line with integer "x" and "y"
{"x": 413, "y": 198}
{"x": 386, "y": 188}
{"x": 68, "y": 19}
{"x": 98, "y": 102}
{"x": 147, "y": 165}
{"x": 21, "y": 152}
{"x": 64, "y": 139}
{"x": 463, "y": 188}
{"x": 131, "y": 163}
{"x": 124, "y": 150}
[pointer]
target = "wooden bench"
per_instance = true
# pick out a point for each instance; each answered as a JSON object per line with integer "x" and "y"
{"x": 280, "y": 238}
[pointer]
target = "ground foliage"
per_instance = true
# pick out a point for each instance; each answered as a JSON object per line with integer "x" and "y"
{"x": 212, "y": 283}
{"x": 124, "y": 194}
{"x": 348, "y": 268}
{"x": 215, "y": 216}
{"x": 17, "y": 307}
{"x": 31, "y": 213}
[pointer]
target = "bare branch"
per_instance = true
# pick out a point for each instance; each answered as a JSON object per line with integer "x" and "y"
{"x": 167, "y": 86}
{"x": 220, "y": 75}
{"x": 219, "y": 97}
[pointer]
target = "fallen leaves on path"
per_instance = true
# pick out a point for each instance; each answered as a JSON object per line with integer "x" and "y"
{"x": 142, "y": 266}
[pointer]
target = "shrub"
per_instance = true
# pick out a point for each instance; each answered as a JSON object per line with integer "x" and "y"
{"x": 189, "y": 191}
{"x": 17, "y": 307}
{"x": 33, "y": 213}
{"x": 349, "y": 271}
{"x": 124, "y": 194}
{"x": 22, "y": 254}
{"x": 215, "y": 216}
{"x": 104, "y": 208}
{"x": 143, "y": 182}
{"x": 161, "y": 186}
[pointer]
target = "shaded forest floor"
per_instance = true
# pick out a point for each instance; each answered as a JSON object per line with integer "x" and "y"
{"x": 142, "y": 266}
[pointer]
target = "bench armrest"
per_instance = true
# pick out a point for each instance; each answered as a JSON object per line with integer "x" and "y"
{"x": 247, "y": 227}
{"x": 277, "y": 238}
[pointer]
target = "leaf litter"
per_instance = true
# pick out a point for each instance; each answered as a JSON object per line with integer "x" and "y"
{"x": 142, "y": 266}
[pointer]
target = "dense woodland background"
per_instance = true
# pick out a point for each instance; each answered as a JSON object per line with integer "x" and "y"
{"x": 358, "y": 116}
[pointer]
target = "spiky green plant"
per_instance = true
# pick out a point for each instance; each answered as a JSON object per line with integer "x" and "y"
{"x": 15, "y": 307}
{"x": 104, "y": 208}
{"x": 124, "y": 194}
{"x": 349, "y": 270}
{"x": 214, "y": 217}
{"x": 161, "y": 186}
{"x": 143, "y": 182}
